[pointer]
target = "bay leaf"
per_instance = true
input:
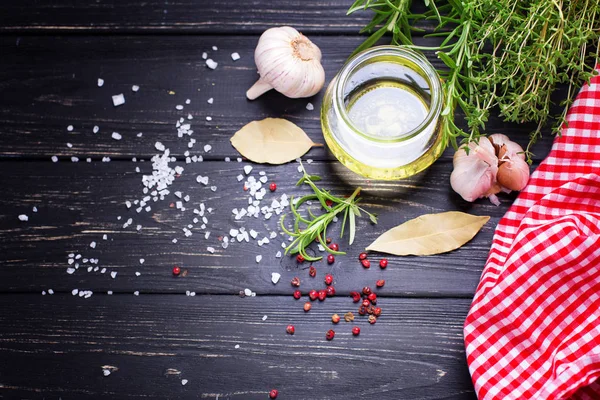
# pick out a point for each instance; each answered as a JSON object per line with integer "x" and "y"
{"x": 272, "y": 141}
{"x": 430, "y": 234}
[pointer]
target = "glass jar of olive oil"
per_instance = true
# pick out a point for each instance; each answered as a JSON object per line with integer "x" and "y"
{"x": 380, "y": 115}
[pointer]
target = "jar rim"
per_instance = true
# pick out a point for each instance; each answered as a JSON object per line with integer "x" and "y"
{"x": 429, "y": 73}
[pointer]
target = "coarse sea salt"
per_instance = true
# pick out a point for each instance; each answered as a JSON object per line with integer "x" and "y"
{"x": 210, "y": 101}
{"x": 264, "y": 318}
{"x": 116, "y": 136}
{"x": 310, "y": 107}
{"x": 70, "y": 128}
{"x": 113, "y": 274}
{"x": 211, "y": 64}
{"x": 258, "y": 258}
{"x": 96, "y": 129}
{"x": 204, "y": 56}
{"x": 135, "y": 88}
{"x": 118, "y": 99}
{"x": 100, "y": 82}
{"x": 54, "y": 159}
{"x": 23, "y": 218}
{"x": 235, "y": 56}
{"x": 275, "y": 277}
{"x": 248, "y": 292}
{"x": 184, "y": 382}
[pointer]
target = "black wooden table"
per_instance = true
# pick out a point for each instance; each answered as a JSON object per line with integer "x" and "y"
{"x": 148, "y": 333}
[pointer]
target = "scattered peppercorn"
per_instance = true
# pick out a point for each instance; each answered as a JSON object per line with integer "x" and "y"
{"x": 330, "y": 259}
{"x": 328, "y": 279}
{"x": 377, "y": 311}
{"x": 330, "y": 334}
{"x": 372, "y": 298}
{"x": 307, "y": 306}
{"x": 380, "y": 283}
{"x": 362, "y": 310}
{"x": 300, "y": 258}
{"x": 334, "y": 246}
{"x": 313, "y": 294}
{"x": 295, "y": 281}
{"x": 328, "y": 240}
{"x": 366, "y": 290}
{"x": 372, "y": 319}
{"x": 329, "y": 202}
{"x": 366, "y": 303}
{"x": 273, "y": 394}
{"x": 312, "y": 271}
{"x": 348, "y": 317}
{"x": 362, "y": 256}
{"x": 356, "y": 331}
{"x": 297, "y": 294}
{"x": 335, "y": 318}
{"x": 355, "y": 296}
{"x": 290, "y": 329}
{"x": 176, "y": 270}
{"x": 366, "y": 263}
{"x": 273, "y": 187}
{"x": 330, "y": 291}
{"x": 322, "y": 295}
{"x": 370, "y": 310}
{"x": 383, "y": 263}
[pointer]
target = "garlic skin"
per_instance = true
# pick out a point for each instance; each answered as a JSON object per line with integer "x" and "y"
{"x": 288, "y": 62}
{"x": 474, "y": 174}
{"x": 513, "y": 171}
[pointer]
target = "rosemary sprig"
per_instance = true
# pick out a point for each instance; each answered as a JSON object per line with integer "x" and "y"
{"x": 311, "y": 227}
{"x": 499, "y": 53}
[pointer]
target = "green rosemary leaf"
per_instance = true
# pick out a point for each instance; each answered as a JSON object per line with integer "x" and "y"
{"x": 373, "y": 218}
{"x": 352, "y": 227}
{"x": 344, "y": 223}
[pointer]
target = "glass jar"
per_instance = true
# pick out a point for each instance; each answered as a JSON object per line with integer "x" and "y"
{"x": 380, "y": 114}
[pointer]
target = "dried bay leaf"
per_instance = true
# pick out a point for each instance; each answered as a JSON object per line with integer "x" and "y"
{"x": 272, "y": 141}
{"x": 430, "y": 234}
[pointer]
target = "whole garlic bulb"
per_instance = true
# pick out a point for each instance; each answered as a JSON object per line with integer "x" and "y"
{"x": 475, "y": 173}
{"x": 288, "y": 62}
{"x": 493, "y": 165}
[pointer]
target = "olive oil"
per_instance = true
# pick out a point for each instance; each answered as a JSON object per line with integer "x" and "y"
{"x": 380, "y": 114}
{"x": 387, "y": 108}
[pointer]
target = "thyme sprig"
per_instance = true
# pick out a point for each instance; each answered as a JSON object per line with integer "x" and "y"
{"x": 499, "y": 53}
{"x": 310, "y": 227}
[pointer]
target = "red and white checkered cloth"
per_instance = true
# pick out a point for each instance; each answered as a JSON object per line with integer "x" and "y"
{"x": 533, "y": 331}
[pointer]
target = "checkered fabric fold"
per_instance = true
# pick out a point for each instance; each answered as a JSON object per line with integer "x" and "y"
{"x": 533, "y": 331}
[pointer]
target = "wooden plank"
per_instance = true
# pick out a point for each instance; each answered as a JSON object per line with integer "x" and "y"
{"x": 183, "y": 16}
{"x": 79, "y": 203}
{"x": 51, "y": 83}
{"x": 56, "y": 346}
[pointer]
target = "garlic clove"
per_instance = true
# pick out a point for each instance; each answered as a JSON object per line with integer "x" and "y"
{"x": 514, "y": 174}
{"x": 474, "y": 174}
{"x": 511, "y": 150}
{"x": 288, "y": 62}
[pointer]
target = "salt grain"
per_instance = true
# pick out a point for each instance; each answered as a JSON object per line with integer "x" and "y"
{"x": 74, "y": 159}
{"x": 235, "y": 56}
{"x": 278, "y": 255}
{"x": 70, "y": 271}
{"x": 237, "y": 346}
{"x": 184, "y": 382}
{"x": 96, "y": 129}
{"x": 118, "y": 99}
{"x": 258, "y": 258}
{"x": 100, "y": 82}
{"x": 210, "y": 101}
{"x": 310, "y": 107}
{"x": 23, "y": 217}
{"x": 159, "y": 146}
{"x": 50, "y": 291}
{"x": 204, "y": 56}
{"x": 209, "y": 118}
{"x": 211, "y": 250}
{"x": 136, "y": 293}
{"x": 117, "y": 136}
{"x": 135, "y": 88}
{"x": 247, "y": 169}
{"x": 248, "y": 292}
{"x": 110, "y": 292}
{"x": 275, "y": 277}
{"x": 105, "y": 237}
{"x": 211, "y": 64}
{"x": 106, "y": 372}
{"x": 207, "y": 147}
{"x": 264, "y": 318}
{"x": 74, "y": 292}
{"x": 188, "y": 101}
{"x": 179, "y": 107}
{"x": 215, "y": 48}
{"x": 54, "y": 159}
{"x": 113, "y": 274}
{"x": 70, "y": 128}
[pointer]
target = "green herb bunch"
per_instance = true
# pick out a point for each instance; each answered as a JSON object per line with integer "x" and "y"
{"x": 499, "y": 53}
{"x": 311, "y": 227}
